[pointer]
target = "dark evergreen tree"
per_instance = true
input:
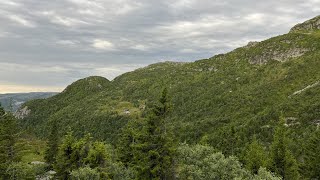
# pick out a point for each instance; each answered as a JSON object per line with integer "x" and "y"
{"x": 64, "y": 160}
{"x": 2, "y": 112}
{"x": 312, "y": 160}
{"x": 128, "y": 138}
{"x": 151, "y": 147}
{"x": 282, "y": 161}
{"x": 80, "y": 151}
{"x": 74, "y": 154}
{"x": 9, "y": 150}
{"x": 255, "y": 156}
{"x": 155, "y": 148}
{"x": 53, "y": 144}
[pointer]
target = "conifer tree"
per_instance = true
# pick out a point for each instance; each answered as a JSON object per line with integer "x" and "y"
{"x": 64, "y": 159}
{"x": 9, "y": 150}
{"x": 74, "y": 154}
{"x": 128, "y": 138}
{"x": 53, "y": 144}
{"x": 312, "y": 160}
{"x": 156, "y": 148}
{"x": 151, "y": 147}
{"x": 2, "y": 112}
{"x": 255, "y": 156}
{"x": 282, "y": 161}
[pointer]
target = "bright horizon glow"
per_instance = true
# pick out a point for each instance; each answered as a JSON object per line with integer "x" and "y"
{"x": 5, "y": 89}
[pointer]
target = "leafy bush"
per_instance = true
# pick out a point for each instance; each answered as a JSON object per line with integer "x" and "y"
{"x": 85, "y": 173}
{"x": 21, "y": 171}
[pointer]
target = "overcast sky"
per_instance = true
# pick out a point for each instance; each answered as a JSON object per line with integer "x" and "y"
{"x": 47, "y": 44}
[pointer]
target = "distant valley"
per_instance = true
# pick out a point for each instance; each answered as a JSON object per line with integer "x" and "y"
{"x": 12, "y": 101}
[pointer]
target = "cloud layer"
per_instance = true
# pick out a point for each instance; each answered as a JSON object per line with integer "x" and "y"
{"x": 49, "y": 44}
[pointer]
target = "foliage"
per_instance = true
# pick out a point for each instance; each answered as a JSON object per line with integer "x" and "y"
{"x": 64, "y": 161}
{"x": 151, "y": 147}
{"x": 87, "y": 158}
{"x": 41, "y": 170}
{"x": 10, "y": 147}
{"x": 223, "y": 96}
{"x": 203, "y": 162}
{"x": 2, "y": 112}
{"x": 282, "y": 161}
{"x": 21, "y": 171}
{"x": 25, "y": 171}
{"x": 312, "y": 158}
{"x": 222, "y": 102}
{"x": 85, "y": 173}
{"x": 255, "y": 157}
{"x": 263, "y": 174}
{"x": 52, "y": 146}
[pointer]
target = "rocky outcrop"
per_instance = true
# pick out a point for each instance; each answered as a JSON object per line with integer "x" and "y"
{"x": 22, "y": 113}
{"x": 317, "y": 123}
{"x": 37, "y": 163}
{"x": 291, "y": 121}
{"x": 251, "y": 44}
{"x": 310, "y": 25}
{"x": 278, "y": 55}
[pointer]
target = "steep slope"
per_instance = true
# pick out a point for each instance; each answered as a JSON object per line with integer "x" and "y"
{"x": 222, "y": 101}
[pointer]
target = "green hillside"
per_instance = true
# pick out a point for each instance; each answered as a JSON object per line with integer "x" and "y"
{"x": 222, "y": 101}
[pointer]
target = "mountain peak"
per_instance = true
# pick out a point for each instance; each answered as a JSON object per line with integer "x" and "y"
{"x": 309, "y": 25}
{"x": 89, "y": 84}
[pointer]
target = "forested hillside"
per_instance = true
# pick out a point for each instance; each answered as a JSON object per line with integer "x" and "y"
{"x": 248, "y": 88}
{"x": 259, "y": 103}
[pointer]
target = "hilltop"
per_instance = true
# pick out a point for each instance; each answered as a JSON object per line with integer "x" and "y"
{"x": 310, "y": 25}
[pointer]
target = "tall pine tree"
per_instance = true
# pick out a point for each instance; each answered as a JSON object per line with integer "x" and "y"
{"x": 53, "y": 144}
{"x": 155, "y": 148}
{"x": 64, "y": 161}
{"x": 9, "y": 150}
{"x": 2, "y": 112}
{"x": 282, "y": 161}
{"x": 151, "y": 147}
{"x": 312, "y": 160}
{"x": 255, "y": 156}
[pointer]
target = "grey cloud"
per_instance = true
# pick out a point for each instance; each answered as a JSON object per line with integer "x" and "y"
{"x": 109, "y": 37}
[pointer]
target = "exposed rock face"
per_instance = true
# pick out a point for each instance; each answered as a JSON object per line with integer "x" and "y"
{"x": 278, "y": 55}
{"x": 251, "y": 44}
{"x": 310, "y": 25}
{"x": 317, "y": 123}
{"x": 22, "y": 113}
{"x": 38, "y": 163}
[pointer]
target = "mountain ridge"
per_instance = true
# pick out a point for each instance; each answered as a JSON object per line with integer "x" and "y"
{"x": 238, "y": 94}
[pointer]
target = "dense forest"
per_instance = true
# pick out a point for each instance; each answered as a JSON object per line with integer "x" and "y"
{"x": 253, "y": 113}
